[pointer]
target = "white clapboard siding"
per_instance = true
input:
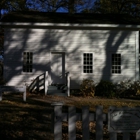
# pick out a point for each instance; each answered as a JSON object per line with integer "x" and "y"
{"x": 57, "y": 33}
{"x": 74, "y": 43}
{"x": 21, "y": 79}
{"x": 97, "y": 77}
{"x": 38, "y": 37}
{"x": 74, "y": 36}
{"x": 56, "y": 45}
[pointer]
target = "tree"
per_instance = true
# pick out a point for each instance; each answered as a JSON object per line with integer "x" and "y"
{"x": 70, "y": 6}
{"x": 131, "y": 7}
{"x": 13, "y": 5}
{"x": 77, "y": 6}
{"x": 2, "y": 6}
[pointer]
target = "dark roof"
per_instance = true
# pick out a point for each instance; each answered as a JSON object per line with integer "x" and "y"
{"x": 69, "y": 18}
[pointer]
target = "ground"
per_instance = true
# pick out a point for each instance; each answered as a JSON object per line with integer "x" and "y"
{"x": 32, "y": 120}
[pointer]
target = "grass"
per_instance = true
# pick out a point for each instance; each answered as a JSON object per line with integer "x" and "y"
{"x": 32, "y": 120}
{"x": 25, "y": 121}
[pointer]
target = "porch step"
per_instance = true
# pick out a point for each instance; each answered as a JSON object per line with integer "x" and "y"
{"x": 52, "y": 88}
{"x": 56, "y": 90}
{"x": 58, "y": 94}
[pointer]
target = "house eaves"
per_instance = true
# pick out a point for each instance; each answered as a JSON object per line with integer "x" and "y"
{"x": 69, "y": 21}
{"x": 76, "y": 26}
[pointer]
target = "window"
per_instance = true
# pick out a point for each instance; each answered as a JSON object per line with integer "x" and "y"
{"x": 27, "y": 61}
{"x": 87, "y": 63}
{"x": 116, "y": 63}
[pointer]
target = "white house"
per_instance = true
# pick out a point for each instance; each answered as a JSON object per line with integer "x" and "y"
{"x": 94, "y": 47}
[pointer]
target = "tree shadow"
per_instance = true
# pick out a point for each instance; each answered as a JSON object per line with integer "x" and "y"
{"x": 31, "y": 120}
{"x": 73, "y": 42}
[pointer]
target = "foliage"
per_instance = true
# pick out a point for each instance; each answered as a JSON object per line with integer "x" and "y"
{"x": 75, "y": 92}
{"x": 128, "y": 88}
{"x": 105, "y": 89}
{"x": 135, "y": 86}
{"x": 123, "y": 87}
{"x": 2, "y": 81}
{"x": 71, "y": 6}
{"x": 131, "y": 7}
{"x": 87, "y": 88}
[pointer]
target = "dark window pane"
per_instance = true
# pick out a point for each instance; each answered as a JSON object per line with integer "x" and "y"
{"x": 116, "y": 63}
{"x": 119, "y": 71}
{"x": 91, "y": 71}
{"x": 87, "y": 63}
{"x": 112, "y": 71}
{"x": 27, "y": 61}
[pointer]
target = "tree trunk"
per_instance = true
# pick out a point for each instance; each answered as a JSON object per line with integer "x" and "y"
{"x": 71, "y": 6}
{"x": 0, "y": 13}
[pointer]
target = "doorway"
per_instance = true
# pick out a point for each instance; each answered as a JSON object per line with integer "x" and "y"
{"x": 58, "y": 67}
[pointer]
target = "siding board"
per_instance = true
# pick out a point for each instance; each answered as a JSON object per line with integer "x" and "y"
{"x": 74, "y": 43}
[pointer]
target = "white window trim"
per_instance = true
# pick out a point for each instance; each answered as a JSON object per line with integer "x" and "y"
{"x": 118, "y": 52}
{"x": 137, "y": 56}
{"x": 82, "y": 63}
{"x": 33, "y": 70}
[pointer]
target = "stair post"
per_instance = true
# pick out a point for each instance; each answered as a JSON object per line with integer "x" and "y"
{"x": 46, "y": 82}
{"x": 68, "y": 83}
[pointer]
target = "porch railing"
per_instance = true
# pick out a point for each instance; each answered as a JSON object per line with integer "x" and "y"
{"x": 38, "y": 82}
{"x": 68, "y": 83}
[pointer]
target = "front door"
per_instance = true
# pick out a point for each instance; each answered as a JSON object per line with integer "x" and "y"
{"x": 58, "y": 67}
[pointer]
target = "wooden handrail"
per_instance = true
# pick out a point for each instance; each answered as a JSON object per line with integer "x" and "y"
{"x": 68, "y": 83}
{"x": 36, "y": 83}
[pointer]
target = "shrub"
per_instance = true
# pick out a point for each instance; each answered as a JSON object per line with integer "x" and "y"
{"x": 75, "y": 92}
{"x": 136, "y": 87}
{"x": 125, "y": 88}
{"x": 87, "y": 88}
{"x": 105, "y": 89}
{"x": 2, "y": 81}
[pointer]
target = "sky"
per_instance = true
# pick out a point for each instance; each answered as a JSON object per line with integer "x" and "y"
{"x": 64, "y": 10}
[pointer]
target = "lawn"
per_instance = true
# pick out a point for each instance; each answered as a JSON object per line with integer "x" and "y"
{"x": 31, "y": 120}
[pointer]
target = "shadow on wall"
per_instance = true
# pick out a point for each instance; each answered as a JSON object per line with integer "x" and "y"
{"x": 41, "y": 42}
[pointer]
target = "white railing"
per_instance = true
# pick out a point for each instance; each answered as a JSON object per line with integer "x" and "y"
{"x": 13, "y": 89}
{"x": 68, "y": 83}
{"x": 71, "y": 117}
{"x": 39, "y": 82}
{"x": 46, "y": 82}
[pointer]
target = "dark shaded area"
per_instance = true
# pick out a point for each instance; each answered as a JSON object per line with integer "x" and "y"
{"x": 25, "y": 121}
{"x": 89, "y": 18}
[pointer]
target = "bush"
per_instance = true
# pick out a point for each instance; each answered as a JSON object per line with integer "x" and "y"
{"x": 75, "y": 92}
{"x": 2, "y": 81}
{"x": 87, "y": 88}
{"x": 126, "y": 88}
{"x": 136, "y": 87}
{"x": 105, "y": 89}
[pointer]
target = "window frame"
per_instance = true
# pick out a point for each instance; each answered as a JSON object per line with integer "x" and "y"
{"x": 83, "y": 62}
{"x": 117, "y": 65}
{"x": 27, "y": 72}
